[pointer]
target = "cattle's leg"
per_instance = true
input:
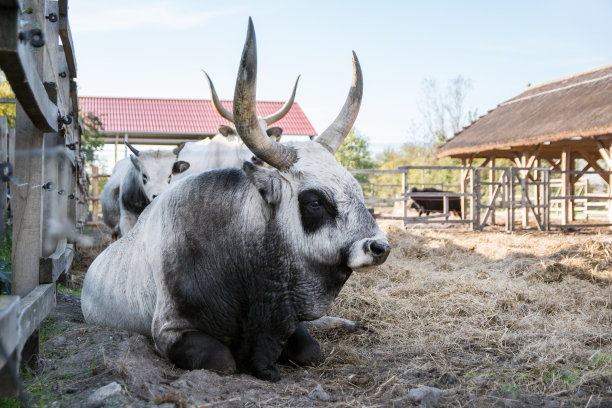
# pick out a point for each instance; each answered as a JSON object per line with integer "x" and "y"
{"x": 195, "y": 350}
{"x": 126, "y": 222}
{"x": 335, "y": 323}
{"x": 301, "y": 348}
{"x": 175, "y": 339}
{"x": 266, "y": 350}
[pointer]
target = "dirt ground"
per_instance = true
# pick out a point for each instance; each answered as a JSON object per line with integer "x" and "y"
{"x": 488, "y": 318}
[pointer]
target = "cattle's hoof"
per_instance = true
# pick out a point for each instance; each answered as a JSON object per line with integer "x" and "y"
{"x": 269, "y": 373}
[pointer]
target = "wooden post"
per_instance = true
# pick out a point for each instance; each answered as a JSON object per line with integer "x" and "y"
{"x": 95, "y": 193}
{"x": 3, "y": 141}
{"x": 476, "y": 199}
{"x": 26, "y": 202}
{"x": 565, "y": 182}
{"x": 492, "y": 180}
{"x": 462, "y": 187}
{"x": 524, "y": 189}
{"x": 473, "y": 194}
{"x": 538, "y": 188}
{"x": 506, "y": 197}
{"x": 50, "y": 198}
{"x": 546, "y": 197}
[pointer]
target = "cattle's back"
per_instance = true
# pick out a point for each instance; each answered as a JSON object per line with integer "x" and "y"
{"x": 119, "y": 287}
{"x": 198, "y": 220}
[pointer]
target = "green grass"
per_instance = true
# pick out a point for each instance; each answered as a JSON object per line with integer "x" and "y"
{"x": 600, "y": 360}
{"x": 68, "y": 291}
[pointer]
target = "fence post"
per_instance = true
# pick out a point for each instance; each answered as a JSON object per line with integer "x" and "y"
{"x": 26, "y": 202}
{"x": 404, "y": 191}
{"x": 491, "y": 186}
{"x": 3, "y": 140}
{"x": 508, "y": 198}
{"x": 476, "y": 199}
{"x": 546, "y": 199}
{"x": 95, "y": 191}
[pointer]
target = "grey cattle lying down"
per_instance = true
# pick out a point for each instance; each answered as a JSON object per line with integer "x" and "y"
{"x": 134, "y": 183}
{"x": 226, "y": 150}
{"x": 232, "y": 262}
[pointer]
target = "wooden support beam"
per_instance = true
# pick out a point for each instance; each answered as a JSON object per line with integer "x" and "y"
{"x": 533, "y": 157}
{"x": 492, "y": 192}
{"x": 20, "y": 67}
{"x": 464, "y": 175}
{"x": 524, "y": 174}
{"x": 592, "y": 161}
{"x": 9, "y": 320}
{"x": 66, "y": 35}
{"x": 485, "y": 162}
{"x": 26, "y": 202}
{"x": 552, "y": 163}
{"x": 565, "y": 186}
{"x": 4, "y": 135}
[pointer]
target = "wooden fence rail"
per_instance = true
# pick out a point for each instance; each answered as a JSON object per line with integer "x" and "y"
{"x": 484, "y": 191}
{"x": 94, "y": 198}
{"x": 49, "y": 181}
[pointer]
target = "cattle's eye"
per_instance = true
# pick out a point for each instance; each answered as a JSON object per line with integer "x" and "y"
{"x": 316, "y": 209}
{"x": 315, "y": 204}
{"x": 145, "y": 178}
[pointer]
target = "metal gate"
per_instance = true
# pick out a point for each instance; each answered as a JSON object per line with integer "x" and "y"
{"x": 526, "y": 189}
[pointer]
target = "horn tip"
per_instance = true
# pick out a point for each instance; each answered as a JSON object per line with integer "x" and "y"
{"x": 251, "y": 29}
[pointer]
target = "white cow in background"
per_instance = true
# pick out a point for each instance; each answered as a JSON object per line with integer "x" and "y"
{"x": 134, "y": 183}
{"x": 226, "y": 150}
{"x": 223, "y": 151}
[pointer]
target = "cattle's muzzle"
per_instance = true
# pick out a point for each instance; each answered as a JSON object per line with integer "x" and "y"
{"x": 368, "y": 253}
{"x": 378, "y": 250}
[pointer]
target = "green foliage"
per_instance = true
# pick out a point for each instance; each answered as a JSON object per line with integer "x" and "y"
{"x": 412, "y": 154}
{"x": 354, "y": 153}
{"x": 93, "y": 136}
{"x": 7, "y": 109}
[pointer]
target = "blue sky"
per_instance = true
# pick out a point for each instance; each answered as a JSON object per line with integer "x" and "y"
{"x": 156, "y": 48}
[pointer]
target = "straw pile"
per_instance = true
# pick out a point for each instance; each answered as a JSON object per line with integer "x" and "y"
{"x": 484, "y": 314}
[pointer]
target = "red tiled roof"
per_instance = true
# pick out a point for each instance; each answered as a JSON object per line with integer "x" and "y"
{"x": 180, "y": 116}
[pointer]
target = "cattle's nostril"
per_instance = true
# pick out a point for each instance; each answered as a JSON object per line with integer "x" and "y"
{"x": 379, "y": 250}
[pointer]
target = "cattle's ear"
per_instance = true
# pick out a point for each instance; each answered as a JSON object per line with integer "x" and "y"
{"x": 179, "y": 166}
{"x": 275, "y": 133}
{"x": 269, "y": 183}
{"x": 227, "y": 131}
{"x": 135, "y": 162}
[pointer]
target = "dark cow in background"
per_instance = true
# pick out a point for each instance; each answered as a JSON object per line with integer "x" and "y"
{"x": 223, "y": 268}
{"x": 434, "y": 203}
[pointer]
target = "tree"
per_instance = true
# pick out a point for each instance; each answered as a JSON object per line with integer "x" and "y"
{"x": 444, "y": 112}
{"x": 354, "y": 153}
{"x": 7, "y": 109}
{"x": 93, "y": 136}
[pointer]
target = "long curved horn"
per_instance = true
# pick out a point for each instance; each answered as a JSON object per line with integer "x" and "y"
{"x": 217, "y": 103}
{"x": 275, "y": 117}
{"x": 251, "y": 130}
{"x": 334, "y": 135}
{"x": 132, "y": 148}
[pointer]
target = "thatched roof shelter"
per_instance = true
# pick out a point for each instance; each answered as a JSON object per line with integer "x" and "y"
{"x": 552, "y": 115}
{"x": 561, "y": 124}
